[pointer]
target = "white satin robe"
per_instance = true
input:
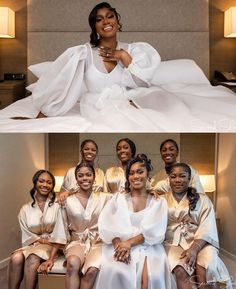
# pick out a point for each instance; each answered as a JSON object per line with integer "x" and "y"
{"x": 70, "y": 183}
{"x": 118, "y": 219}
{"x": 36, "y": 224}
{"x": 77, "y": 228}
{"x": 160, "y": 181}
{"x": 182, "y": 231}
{"x": 114, "y": 180}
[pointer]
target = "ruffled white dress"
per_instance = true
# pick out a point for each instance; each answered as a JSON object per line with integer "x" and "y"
{"x": 118, "y": 219}
{"x": 79, "y": 76}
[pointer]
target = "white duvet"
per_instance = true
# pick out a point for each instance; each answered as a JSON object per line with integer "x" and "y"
{"x": 172, "y": 96}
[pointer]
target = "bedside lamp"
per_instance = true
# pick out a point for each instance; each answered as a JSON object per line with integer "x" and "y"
{"x": 230, "y": 23}
{"x": 7, "y": 23}
{"x": 59, "y": 181}
{"x": 208, "y": 183}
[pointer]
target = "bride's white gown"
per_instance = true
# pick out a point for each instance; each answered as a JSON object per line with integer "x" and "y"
{"x": 79, "y": 76}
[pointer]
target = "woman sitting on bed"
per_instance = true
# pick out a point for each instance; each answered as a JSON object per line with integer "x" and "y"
{"x": 98, "y": 74}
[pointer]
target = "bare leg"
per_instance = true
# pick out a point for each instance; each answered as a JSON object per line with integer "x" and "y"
{"x": 182, "y": 278}
{"x": 16, "y": 270}
{"x": 72, "y": 272}
{"x": 31, "y": 275}
{"x": 88, "y": 279}
{"x": 145, "y": 275}
{"x": 201, "y": 277}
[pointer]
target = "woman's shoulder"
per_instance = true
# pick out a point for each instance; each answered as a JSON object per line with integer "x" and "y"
{"x": 114, "y": 169}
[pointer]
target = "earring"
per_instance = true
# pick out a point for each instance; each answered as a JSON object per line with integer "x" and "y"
{"x": 98, "y": 36}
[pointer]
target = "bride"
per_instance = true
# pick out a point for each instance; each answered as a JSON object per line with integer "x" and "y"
{"x": 110, "y": 83}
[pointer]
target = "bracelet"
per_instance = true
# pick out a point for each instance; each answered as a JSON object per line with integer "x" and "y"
{"x": 200, "y": 247}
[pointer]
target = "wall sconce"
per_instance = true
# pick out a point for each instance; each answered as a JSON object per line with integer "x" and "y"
{"x": 7, "y": 23}
{"x": 209, "y": 185}
{"x": 59, "y": 181}
{"x": 230, "y": 23}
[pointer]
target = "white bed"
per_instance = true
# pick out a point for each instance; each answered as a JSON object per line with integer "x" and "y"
{"x": 163, "y": 111}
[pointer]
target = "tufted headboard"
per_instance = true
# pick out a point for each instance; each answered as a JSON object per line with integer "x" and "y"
{"x": 176, "y": 28}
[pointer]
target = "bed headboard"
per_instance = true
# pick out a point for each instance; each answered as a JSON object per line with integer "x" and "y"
{"x": 176, "y": 28}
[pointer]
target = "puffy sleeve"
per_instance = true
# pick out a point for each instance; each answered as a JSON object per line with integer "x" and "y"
{"x": 207, "y": 229}
{"x": 59, "y": 88}
{"x": 145, "y": 60}
{"x": 60, "y": 234}
{"x": 114, "y": 220}
{"x": 26, "y": 235}
{"x": 154, "y": 223}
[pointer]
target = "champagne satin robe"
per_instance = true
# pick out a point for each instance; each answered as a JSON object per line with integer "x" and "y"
{"x": 114, "y": 180}
{"x": 36, "y": 224}
{"x": 183, "y": 229}
{"x": 70, "y": 183}
{"x": 77, "y": 228}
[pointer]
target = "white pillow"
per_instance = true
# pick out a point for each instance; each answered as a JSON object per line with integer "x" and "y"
{"x": 179, "y": 71}
{"x": 40, "y": 68}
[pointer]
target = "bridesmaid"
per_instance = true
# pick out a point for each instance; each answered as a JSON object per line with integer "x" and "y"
{"x": 169, "y": 151}
{"x": 114, "y": 180}
{"x": 37, "y": 220}
{"x": 77, "y": 228}
{"x": 89, "y": 152}
{"x": 192, "y": 241}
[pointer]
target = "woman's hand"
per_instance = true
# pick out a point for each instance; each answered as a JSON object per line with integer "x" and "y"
{"x": 109, "y": 54}
{"x": 122, "y": 252}
{"x": 45, "y": 267}
{"x": 61, "y": 198}
{"x": 43, "y": 241}
{"x": 191, "y": 257}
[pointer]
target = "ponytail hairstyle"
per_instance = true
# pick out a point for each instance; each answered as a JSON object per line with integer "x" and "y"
{"x": 142, "y": 159}
{"x": 192, "y": 194}
{"x": 94, "y": 37}
{"x": 35, "y": 180}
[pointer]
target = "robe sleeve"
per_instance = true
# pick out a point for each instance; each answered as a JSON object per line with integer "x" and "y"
{"x": 207, "y": 229}
{"x": 68, "y": 180}
{"x": 114, "y": 220}
{"x": 60, "y": 234}
{"x": 27, "y": 236}
{"x": 59, "y": 88}
{"x": 140, "y": 72}
{"x": 195, "y": 181}
{"x": 154, "y": 223}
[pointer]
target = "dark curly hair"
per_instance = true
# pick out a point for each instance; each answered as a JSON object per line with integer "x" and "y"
{"x": 84, "y": 165}
{"x": 142, "y": 159}
{"x": 130, "y": 143}
{"x": 94, "y": 40}
{"x": 35, "y": 180}
{"x": 192, "y": 194}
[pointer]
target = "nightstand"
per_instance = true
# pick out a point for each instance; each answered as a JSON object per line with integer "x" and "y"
{"x": 217, "y": 82}
{"x": 10, "y": 91}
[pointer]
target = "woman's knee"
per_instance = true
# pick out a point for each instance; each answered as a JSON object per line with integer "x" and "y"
{"x": 181, "y": 274}
{"x": 32, "y": 260}
{"x": 90, "y": 274}
{"x": 17, "y": 259}
{"x": 73, "y": 263}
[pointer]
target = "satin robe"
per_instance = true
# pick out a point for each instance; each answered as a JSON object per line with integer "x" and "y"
{"x": 183, "y": 229}
{"x": 70, "y": 183}
{"x": 160, "y": 181}
{"x": 114, "y": 180}
{"x": 77, "y": 228}
{"x": 118, "y": 219}
{"x": 36, "y": 224}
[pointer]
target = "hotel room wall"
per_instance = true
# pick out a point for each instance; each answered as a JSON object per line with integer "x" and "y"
{"x": 226, "y": 192}
{"x": 13, "y": 52}
{"x": 20, "y": 156}
{"x": 222, "y": 50}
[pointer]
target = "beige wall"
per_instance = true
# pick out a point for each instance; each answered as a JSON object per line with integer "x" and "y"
{"x": 20, "y": 156}
{"x": 226, "y": 191}
{"x": 13, "y": 52}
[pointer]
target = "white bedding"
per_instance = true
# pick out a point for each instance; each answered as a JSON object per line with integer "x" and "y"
{"x": 172, "y": 107}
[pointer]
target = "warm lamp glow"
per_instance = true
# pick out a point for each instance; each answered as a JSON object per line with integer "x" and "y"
{"x": 7, "y": 23}
{"x": 208, "y": 182}
{"x": 59, "y": 181}
{"x": 230, "y": 22}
